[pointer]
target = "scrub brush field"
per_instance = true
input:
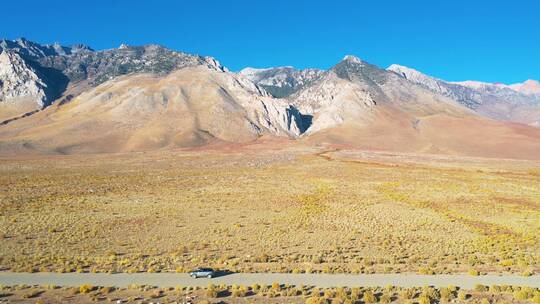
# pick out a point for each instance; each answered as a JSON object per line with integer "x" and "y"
{"x": 290, "y": 210}
{"x": 275, "y": 293}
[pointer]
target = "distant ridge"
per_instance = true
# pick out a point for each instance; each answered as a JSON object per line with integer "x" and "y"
{"x": 517, "y": 103}
{"x": 64, "y": 100}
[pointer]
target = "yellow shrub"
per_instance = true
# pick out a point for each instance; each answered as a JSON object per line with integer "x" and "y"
{"x": 369, "y": 297}
{"x": 86, "y": 288}
{"x": 473, "y": 272}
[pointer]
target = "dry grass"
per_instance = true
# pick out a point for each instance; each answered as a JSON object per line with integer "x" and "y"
{"x": 279, "y": 211}
{"x": 269, "y": 294}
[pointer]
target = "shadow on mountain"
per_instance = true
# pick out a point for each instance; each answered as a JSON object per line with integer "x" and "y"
{"x": 56, "y": 81}
{"x": 307, "y": 120}
{"x": 304, "y": 121}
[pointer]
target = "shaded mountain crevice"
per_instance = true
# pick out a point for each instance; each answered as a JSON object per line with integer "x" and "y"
{"x": 55, "y": 80}
{"x": 304, "y": 121}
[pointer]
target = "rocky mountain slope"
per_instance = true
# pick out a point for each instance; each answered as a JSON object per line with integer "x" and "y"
{"x": 528, "y": 87}
{"x": 516, "y": 103}
{"x": 32, "y": 50}
{"x": 281, "y": 81}
{"x": 98, "y": 67}
{"x": 353, "y": 90}
{"x": 25, "y": 87}
{"x": 189, "y": 107}
{"x": 358, "y": 105}
{"x": 19, "y": 79}
{"x": 133, "y": 98}
{"x": 76, "y": 100}
{"x": 80, "y": 66}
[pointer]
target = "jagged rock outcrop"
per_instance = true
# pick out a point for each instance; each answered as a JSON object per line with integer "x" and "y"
{"x": 98, "y": 67}
{"x": 26, "y": 85}
{"x": 35, "y": 51}
{"x": 19, "y": 80}
{"x": 282, "y": 81}
{"x": 330, "y": 101}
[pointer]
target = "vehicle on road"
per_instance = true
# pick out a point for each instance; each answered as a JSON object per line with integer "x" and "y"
{"x": 203, "y": 273}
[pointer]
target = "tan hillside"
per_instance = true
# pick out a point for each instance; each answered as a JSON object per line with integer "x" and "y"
{"x": 393, "y": 130}
{"x": 361, "y": 106}
{"x": 164, "y": 99}
{"x": 189, "y": 107}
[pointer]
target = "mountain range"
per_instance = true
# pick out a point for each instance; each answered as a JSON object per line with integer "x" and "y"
{"x": 58, "y": 99}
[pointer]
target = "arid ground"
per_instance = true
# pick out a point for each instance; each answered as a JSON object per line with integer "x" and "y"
{"x": 256, "y": 209}
{"x": 275, "y": 293}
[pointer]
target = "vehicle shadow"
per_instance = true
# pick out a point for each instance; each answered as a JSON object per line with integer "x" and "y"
{"x": 222, "y": 273}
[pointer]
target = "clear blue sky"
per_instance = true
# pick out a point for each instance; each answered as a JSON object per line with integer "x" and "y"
{"x": 456, "y": 40}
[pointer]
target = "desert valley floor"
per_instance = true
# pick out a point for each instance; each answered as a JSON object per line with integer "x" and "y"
{"x": 294, "y": 152}
{"x": 259, "y": 209}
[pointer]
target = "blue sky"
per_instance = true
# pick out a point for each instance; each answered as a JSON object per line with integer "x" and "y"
{"x": 495, "y": 41}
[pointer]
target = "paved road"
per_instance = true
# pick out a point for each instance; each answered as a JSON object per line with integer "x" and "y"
{"x": 320, "y": 280}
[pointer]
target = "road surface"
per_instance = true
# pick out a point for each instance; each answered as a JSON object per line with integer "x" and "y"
{"x": 320, "y": 280}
